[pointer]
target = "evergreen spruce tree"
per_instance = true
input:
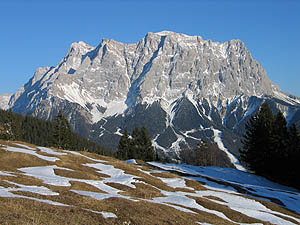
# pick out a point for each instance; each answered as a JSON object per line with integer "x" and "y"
{"x": 124, "y": 146}
{"x": 291, "y": 163}
{"x": 278, "y": 154}
{"x": 62, "y": 135}
{"x": 137, "y": 147}
{"x": 257, "y": 140}
{"x": 134, "y": 152}
{"x": 148, "y": 154}
{"x": 5, "y": 129}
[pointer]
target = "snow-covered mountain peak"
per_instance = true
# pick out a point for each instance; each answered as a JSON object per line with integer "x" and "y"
{"x": 80, "y": 46}
{"x": 196, "y": 88}
{"x": 178, "y": 35}
{"x": 162, "y": 65}
{"x": 165, "y": 32}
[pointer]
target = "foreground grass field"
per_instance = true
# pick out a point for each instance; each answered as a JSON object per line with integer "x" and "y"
{"x": 49, "y": 186}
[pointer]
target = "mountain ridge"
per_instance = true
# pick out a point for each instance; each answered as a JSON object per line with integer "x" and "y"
{"x": 183, "y": 88}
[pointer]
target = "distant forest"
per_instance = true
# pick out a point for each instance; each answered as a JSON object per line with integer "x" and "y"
{"x": 55, "y": 133}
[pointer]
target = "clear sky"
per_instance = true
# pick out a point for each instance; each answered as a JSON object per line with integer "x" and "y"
{"x": 38, "y": 33}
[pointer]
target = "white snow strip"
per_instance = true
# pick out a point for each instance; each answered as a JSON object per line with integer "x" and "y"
{"x": 81, "y": 155}
{"x": 100, "y": 196}
{"x": 6, "y": 174}
{"x": 180, "y": 198}
{"x": 246, "y": 206}
{"x": 50, "y": 151}
{"x": 131, "y": 161}
{"x": 221, "y": 146}
{"x": 107, "y": 215}
{"x": 116, "y": 175}
{"x": 118, "y": 132}
{"x": 47, "y": 175}
{"x": 31, "y": 152}
{"x": 41, "y": 190}
{"x": 5, "y": 193}
{"x": 174, "y": 167}
{"x": 24, "y": 146}
{"x": 174, "y": 182}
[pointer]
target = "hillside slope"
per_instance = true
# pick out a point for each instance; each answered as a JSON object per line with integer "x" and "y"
{"x": 40, "y": 185}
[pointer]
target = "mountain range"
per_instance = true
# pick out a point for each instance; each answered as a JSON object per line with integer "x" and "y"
{"x": 181, "y": 88}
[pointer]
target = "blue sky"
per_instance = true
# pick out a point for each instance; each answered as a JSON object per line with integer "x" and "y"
{"x": 38, "y": 33}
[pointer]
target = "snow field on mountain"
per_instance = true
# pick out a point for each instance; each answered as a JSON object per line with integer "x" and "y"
{"x": 117, "y": 179}
{"x": 233, "y": 159}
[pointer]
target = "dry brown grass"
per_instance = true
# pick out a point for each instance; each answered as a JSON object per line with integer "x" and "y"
{"x": 25, "y": 180}
{"x": 24, "y": 211}
{"x": 144, "y": 212}
{"x": 18, "y": 160}
{"x": 141, "y": 212}
{"x": 6, "y": 184}
{"x": 214, "y": 198}
{"x": 133, "y": 170}
{"x": 76, "y": 163}
{"x": 164, "y": 175}
{"x": 195, "y": 184}
{"x": 99, "y": 157}
{"x": 84, "y": 187}
{"x": 77, "y": 174}
{"x": 142, "y": 163}
{"x": 26, "y": 144}
{"x": 142, "y": 191}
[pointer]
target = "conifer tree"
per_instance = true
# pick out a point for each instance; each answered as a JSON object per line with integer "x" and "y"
{"x": 271, "y": 149}
{"x": 124, "y": 146}
{"x": 6, "y": 131}
{"x": 62, "y": 135}
{"x": 291, "y": 163}
{"x": 146, "y": 146}
{"x": 139, "y": 146}
{"x": 257, "y": 140}
{"x": 278, "y": 153}
{"x": 134, "y": 152}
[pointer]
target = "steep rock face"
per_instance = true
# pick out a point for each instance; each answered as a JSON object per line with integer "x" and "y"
{"x": 182, "y": 88}
{"x": 4, "y": 100}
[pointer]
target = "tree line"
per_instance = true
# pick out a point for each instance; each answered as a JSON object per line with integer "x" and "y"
{"x": 55, "y": 133}
{"x": 136, "y": 146}
{"x": 271, "y": 148}
{"x": 205, "y": 154}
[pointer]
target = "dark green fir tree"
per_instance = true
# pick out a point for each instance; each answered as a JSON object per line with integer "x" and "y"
{"x": 124, "y": 146}
{"x": 257, "y": 140}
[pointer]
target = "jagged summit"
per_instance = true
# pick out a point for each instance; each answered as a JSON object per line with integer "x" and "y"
{"x": 178, "y": 35}
{"x": 185, "y": 88}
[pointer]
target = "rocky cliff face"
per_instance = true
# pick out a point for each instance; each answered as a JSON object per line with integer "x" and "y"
{"x": 4, "y": 100}
{"x": 182, "y": 88}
